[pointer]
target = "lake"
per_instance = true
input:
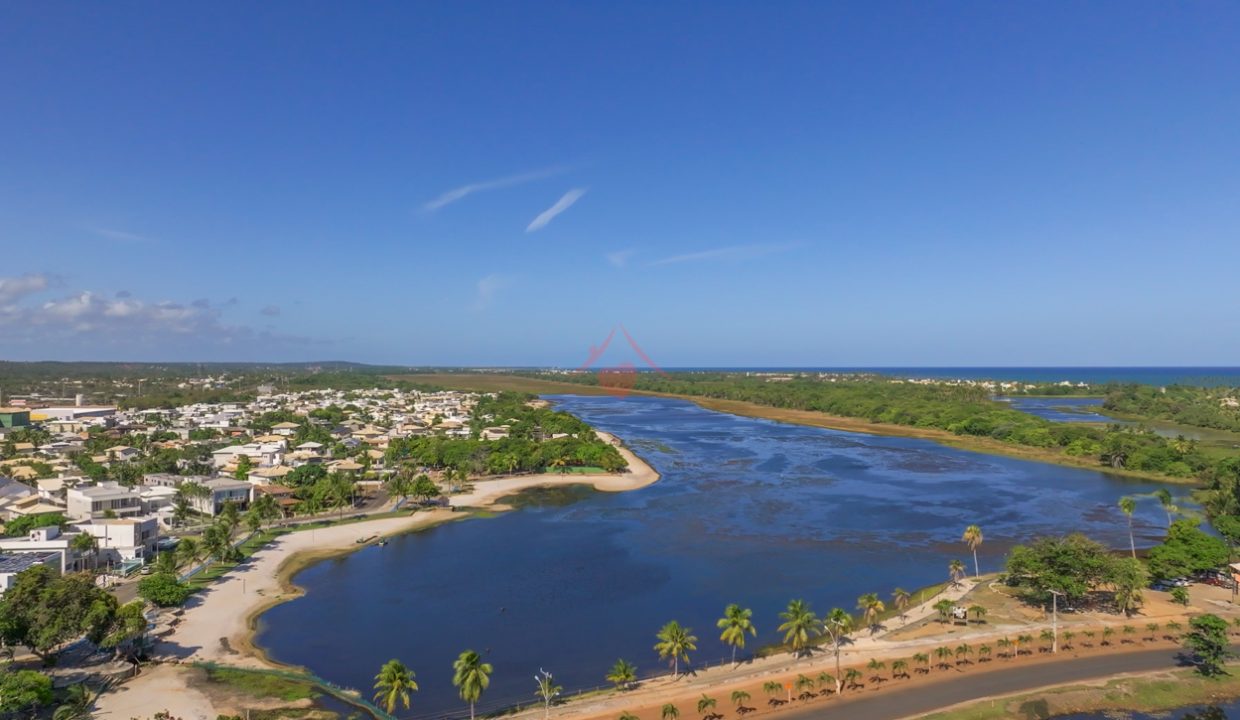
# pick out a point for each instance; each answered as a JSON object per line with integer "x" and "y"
{"x": 748, "y": 511}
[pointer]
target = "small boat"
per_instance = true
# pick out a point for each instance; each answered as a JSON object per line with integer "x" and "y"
{"x": 383, "y": 542}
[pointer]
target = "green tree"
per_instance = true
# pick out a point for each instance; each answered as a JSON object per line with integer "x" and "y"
{"x": 736, "y": 621}
{"x": 86, "y": 544}
{"x": 900, "y": 599}
{"x": 1168, "y": 506}
{"x": 944, "y": 608}
{"x": 1207, "y": 638}
{"x": 973, "y": 538}
{"x": 705, "y": 703}
{"x": 799, "y": 627}
{"x": 24, "y": 691}
{"x": 393, "y": 685}
{"x": 43, "y": 610}
{"x": 164, "y": 589}
{"x": 188, "y": 550}
{"x": 471, "y": 677}
{"x": 1179, "y": 595}
{"x": 1129, "y": 578}
{"x": 244, "y": 466}
{"x": 670, "y": 712}
{"x": 871, "y": 607}
{"x": 675, "y": 642}
{"x": 739, "y": 698}
{"x": 1072, "y": 565}
{"x": 1186, "y": 550}
{"x": 623, "y": 674}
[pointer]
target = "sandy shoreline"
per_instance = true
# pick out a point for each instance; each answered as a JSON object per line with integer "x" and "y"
{"x": 218, "y": 624}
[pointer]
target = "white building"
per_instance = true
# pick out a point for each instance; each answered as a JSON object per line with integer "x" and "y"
{"x": 223, "y": 490}
{"x": 120, "y": 540}
{"x": 94, "y": 501}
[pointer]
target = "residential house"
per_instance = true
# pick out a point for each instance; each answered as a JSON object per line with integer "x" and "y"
{"x": 95, "y": 501}
{"x": 223, "y": 490}
{"x": 123, "y": 539}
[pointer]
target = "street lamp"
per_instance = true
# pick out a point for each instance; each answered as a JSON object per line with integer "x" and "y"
{"x": 1055, "y": 620}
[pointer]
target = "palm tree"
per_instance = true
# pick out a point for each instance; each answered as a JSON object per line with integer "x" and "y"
{"x": 670, "y": 712}
{"x": 772, "y": 688}
{"x": 1128, "y": 630}
{"x": 944, "y": 608}
{"x": 826, "y": 681}
{"x": 963, "y": 650}
{"x": 623, "y": 674}
{"x": 1128, "y": 506}
{"x": 1152, "y": 628}
{"x": 1089, "y": 638}
{"x": 675, "y": 642}
{"x": 1107, "y": 632}
{"x": 1164, "y": 499}
{"x": 394, "y": 683}
{"x": 626, "y": 715}
{"x": 547, "y": 690}
{"x": 86, "y": 543}
{"x": 77, "y": 703}
{"x": 837, "y": 624}
{"x": 874, "y": 666}
{"x": 1174, "y": 628}
{"x": 471, "y": 676}
{"x": 922, "y": 659}
{"x": 943, "y": 653}
{"x": 1004, "y": 645}
{"x": 189, "y": 550}
{"x": 804, "y": 684}
{"x": 983, "y": 653}
{"x": 851, "y": 677}
{"x": 739, "y": 698}
{"x": 705, "y": 703}
{"x": 735, "y": 623}
{"x": 973, "y": 537}
{"x": 1068, "y": 635}
{"x": 899, "y": 599}
{"x": 899, "y": 668}
{"x": 1023, "y": 639}
{"x": 955, "y": 570}
{"x": 870, "y": 607}
{"x": 1047, "y": 636}
{"x": 978, "y": 612}
{"x": 800, "y": 625}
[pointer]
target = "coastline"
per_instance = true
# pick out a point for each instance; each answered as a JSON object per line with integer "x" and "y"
{"x": 811, "y": 418}
{"x": 231, "y": 608}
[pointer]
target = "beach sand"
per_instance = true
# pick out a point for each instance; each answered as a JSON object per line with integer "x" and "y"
{"x": 218, "y": 623}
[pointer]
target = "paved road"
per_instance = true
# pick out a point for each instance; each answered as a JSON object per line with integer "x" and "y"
{"x": 896, "y": 704}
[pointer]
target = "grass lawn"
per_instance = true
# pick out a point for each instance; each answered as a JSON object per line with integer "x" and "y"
{"x": 262, "y": 685}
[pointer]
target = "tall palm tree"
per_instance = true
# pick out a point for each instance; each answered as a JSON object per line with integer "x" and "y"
{"x": 675, "y": 642}
{"x": 1128, "y": 506}
{"x": 735, "y": 623}
{"x": 471, "y": 676}
{"x": 955, "y": 570}
{"x": 1164, "y": 499}
{"x": 973, "y": 537}
{"x": 799, "y": 626}
{"x": 189, "y": 550}
{"x": 623, "y": 674}
{"x": 900, "y": 599}
{"x": 837, "y": 624}
{"x": 870, "y": 607}
{"x": 393, "y": 684}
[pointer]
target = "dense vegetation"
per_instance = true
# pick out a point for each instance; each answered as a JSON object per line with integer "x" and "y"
{"x": 539, "y": 439}
{"x": 964, "y": 410}
{"x": 1197, "y": 406}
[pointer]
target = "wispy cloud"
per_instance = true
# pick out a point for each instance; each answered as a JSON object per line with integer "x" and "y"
{"x": 564, "y": 203}
{"x": 488, "y": 287}
{"x": 734, "y": 252}
{"x": 15, "y": 288}
{"x": 466, "y": 190}
{"x": 120, "y": 235}
{"x": 620, "y": 258}
{"x": 270, "y": 310}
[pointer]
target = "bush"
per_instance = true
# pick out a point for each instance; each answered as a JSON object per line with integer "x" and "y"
{"x": 164, "y": 589}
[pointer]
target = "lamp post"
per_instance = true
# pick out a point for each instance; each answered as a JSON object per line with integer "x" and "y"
{"x": 1055, "y": 621}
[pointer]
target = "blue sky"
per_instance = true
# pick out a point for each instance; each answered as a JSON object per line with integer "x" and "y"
{"x": 737, "y": 183}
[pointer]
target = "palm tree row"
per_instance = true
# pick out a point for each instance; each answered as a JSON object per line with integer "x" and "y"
{"x": 395, "y": 682}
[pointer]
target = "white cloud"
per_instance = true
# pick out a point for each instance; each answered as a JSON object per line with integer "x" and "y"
{"x": 564, "y": 203}
{"x": 120, "y": 235}
{"x": 620, "y": 258}
{"x": 734, "y": 252}
{"x": 465, "y": 190}
{"x": 487, "y": 289}
{"x": 12, "y": 289}
{"x": 89, "y": 324}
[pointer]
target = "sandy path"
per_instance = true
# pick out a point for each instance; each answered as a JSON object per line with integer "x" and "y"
{"x": 162, "y": 687}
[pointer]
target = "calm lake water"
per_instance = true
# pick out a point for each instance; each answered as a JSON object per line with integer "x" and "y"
{"x": 1061, "y": 409}
{"x": 747, "y": 511}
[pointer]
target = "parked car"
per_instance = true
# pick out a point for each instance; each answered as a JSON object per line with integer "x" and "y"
{"x": 1180, "y": 582}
